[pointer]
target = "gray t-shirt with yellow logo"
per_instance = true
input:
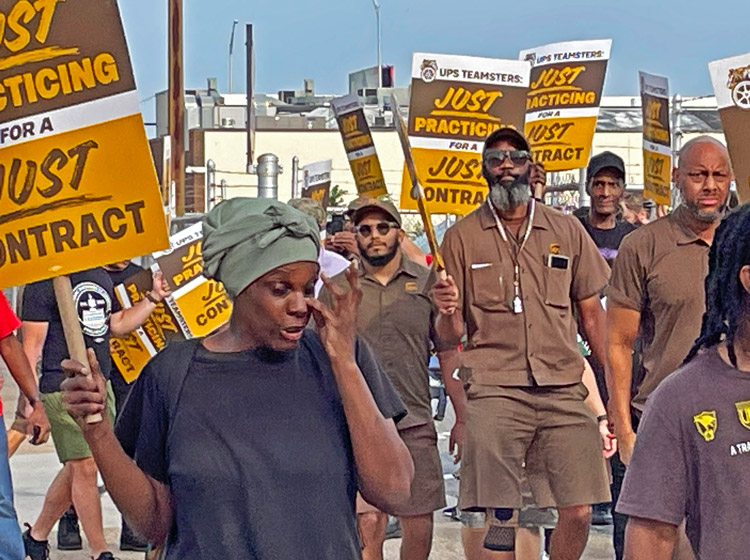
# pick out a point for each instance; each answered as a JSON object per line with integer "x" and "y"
{"x": 692, "y": 457}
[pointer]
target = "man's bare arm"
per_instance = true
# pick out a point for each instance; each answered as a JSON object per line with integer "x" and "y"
{"x": 593, "y": 318}
{"x": 450, "y": 360}
{"x": 646, "y": 539}
{"x": 622, "y": 330}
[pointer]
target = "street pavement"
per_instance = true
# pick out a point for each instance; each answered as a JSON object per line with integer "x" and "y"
{"x": 34, "y": 468}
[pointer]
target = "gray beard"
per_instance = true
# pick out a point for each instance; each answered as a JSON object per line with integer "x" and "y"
{"x": 508, "y": 196}
{"x": 705, "y": 217}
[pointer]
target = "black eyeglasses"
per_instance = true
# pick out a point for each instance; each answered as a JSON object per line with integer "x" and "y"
{"x": 365, "y": 230}
{"x": 495, "y": 158}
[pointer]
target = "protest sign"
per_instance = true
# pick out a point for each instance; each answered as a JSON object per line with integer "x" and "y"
{"x": 317, "y": 181}
{"x": 562, "y": 108}
{"x": 78, "y": 186}
{"x": 359, "y": 147}
{"x": 131, "y": 353}
{"x": 657, "y": 139}
{"x": 199, "y": 305}
{"x": 731, "y": 81}
{"x": 456, "y": 101}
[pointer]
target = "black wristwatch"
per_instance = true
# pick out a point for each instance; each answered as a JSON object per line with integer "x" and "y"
{"x": 152, "y": 299}
{"x": 601, "y": 417}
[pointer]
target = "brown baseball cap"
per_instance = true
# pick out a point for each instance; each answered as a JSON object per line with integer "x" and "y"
{"x": 370, "y": 204}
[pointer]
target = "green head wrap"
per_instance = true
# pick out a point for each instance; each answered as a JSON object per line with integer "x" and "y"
{"x": 246, "y": 238}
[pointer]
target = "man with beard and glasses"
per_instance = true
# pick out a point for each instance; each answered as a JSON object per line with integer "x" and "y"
{"x": 395, "y": 318}
{"x": 656, "y": 295}
{"x": 517, "y": 270}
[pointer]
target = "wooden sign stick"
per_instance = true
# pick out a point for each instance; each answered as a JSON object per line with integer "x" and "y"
{"x": 15, "y": 439}
{"x": 72, "y": 327}
{"x": 417, "y": 192}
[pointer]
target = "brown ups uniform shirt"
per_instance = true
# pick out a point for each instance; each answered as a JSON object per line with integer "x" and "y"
{"x": 659, "y": 272}
{"x": 538, "y": 346}
{"x": 397, "y": 321}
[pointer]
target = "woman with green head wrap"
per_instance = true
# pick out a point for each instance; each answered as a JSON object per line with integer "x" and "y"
{"x": 252, "y": 442}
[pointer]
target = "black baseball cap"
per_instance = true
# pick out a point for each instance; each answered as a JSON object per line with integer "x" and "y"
{"x": 509, "y": 134}
{"x": 605, "y": 159}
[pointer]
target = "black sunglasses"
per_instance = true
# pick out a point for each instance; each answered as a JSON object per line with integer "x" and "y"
{"x": 365, "y": 230}
{"x": 494, "y": 158}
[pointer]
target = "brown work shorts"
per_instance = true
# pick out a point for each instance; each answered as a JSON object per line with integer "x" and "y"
{"x": 427, "y": 488}
{"x": 548, "y": 430}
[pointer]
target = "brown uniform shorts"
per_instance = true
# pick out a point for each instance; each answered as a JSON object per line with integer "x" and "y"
{"x": 549, "y": 429}
{"x": 427, "y": 488}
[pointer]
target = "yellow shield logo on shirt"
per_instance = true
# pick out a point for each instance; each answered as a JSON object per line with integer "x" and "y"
{"x": 411, "y": 287}
{"x": 554, "y": 248}
{"x": 706, "y": 424}
{"x": 743, "y": 411}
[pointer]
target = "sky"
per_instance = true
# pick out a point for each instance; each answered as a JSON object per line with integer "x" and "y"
{"x": 327, "y": 39}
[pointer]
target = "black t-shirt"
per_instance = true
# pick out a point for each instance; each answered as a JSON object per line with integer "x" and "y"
{"x": 119, "y": 276}
{"x": 256, "y": 450}
{"x": 692, "y": 457}
{"x": 93, "y": 296}
{"x": 608, "y": 240}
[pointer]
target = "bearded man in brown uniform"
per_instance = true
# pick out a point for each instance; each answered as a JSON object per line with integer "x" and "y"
{"x": 396, "y": 317}
{"x": 517, "y": 270}
{"x": 656, "y": 294}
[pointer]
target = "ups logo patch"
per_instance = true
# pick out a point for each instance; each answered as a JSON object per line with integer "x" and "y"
{"x": 743, "y": 412}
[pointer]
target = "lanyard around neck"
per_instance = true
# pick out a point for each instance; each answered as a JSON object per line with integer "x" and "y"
{"x": 517, "y": 301}
{"x": 501, "y": 227}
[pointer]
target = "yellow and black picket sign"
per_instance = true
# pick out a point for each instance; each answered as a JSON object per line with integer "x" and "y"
{"x": 359, "y": 146}
{"x": 456, "y": 101}
{"x": 563, "y": 101}
{"x": 317, "y": 181}
{"x": 202, "y": 307}
{"x": 78, "y": 187}
{"x": 78, "y": 184}
{"x": 657, "y": 139}
{"x": 731, "y": 81}
{"x": 131, "y": 353}
{"x": 199, "y": 306}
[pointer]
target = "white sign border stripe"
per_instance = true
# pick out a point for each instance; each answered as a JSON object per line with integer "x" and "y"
{"x": 72, "y": 118}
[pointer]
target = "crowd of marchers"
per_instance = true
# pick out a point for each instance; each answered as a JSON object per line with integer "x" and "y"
{"x": 595, "y": 361}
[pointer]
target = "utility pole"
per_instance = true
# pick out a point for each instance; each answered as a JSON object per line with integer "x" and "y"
{"x": 376, "y": 5}
{"x": 231, "y": 52}
{"x": 250, "y": 87}
{"x": 176, "y": 104}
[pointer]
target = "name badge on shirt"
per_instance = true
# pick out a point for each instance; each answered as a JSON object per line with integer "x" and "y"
{"x": 558, "y": 261}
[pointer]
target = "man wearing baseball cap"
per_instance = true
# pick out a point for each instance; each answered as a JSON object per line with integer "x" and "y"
{"x": 605, "y": 184}
{"x": 517, "y": 270}
{"x": 395, "y": 318}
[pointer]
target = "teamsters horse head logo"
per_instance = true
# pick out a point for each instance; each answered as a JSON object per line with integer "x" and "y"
{"x": 429, "y": 70}
{"x": 706, "y": 424}
{"x": 739, "y": 83}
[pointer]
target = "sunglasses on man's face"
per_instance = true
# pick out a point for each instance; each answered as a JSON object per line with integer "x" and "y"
{"x": 365, "y": 230}
{"x": 495, "y": 158}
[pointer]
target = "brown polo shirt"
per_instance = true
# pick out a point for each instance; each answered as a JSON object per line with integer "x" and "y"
{"x": 537, "y": 346}
{"x": 660, "y": 272}
{"x": 397, "y": 320}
